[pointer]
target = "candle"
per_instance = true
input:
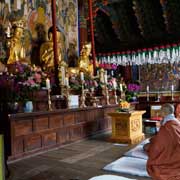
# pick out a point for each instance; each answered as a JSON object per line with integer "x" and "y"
{"x": 105, "y": 78}
{"x": 48, "y": 86}
{"x": 121, "y": 88}
{"x": 8, "y": 2}
{"x": 98, "y": 73}
{"x": 62, "y": 75}
{"x": 147, "y": 88}
{"x": 101, "y": 77}
{"x": 67, "y": 81}
{"x": 82, "y": 76}
{"x": 112, "y": 73}
{"x": 18, "y": 4}
{"x": 8, "y": 32}
{"x": 172, "y": 87}
{"x": 114, "y": 84}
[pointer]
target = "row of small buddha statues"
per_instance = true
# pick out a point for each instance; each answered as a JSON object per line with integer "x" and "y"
{"x": 17, "y": 52}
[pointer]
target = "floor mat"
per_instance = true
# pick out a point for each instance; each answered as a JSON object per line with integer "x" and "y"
{"x": 110, "y": 177}
{"x": 138, "y": 151}
{"x": 128, "y": 165}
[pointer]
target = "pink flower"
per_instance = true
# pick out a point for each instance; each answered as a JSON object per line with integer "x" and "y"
{"x": 37, "y": 77}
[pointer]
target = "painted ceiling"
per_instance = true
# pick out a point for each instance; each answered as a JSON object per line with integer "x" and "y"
{"x": 132, "y": 24}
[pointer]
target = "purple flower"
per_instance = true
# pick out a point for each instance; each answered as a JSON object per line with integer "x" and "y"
{"x": 134, "y": 87}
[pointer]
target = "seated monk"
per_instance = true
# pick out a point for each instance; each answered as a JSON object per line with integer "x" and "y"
{"x": 17, "y": 51}
{"x": 47, "y": 51}
{"x": 164, "y": 148}
{"x": 177, "y": 113}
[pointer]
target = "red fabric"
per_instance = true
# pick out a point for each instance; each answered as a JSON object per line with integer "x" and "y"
{"x": 156, "y": 118}
{"x": 164, "y": 153}
{"x": 177, "y": 113}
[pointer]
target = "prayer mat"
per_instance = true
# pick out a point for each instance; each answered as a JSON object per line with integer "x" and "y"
{"x": 128, "y": 165}
{"x": 138, "y": 151}
{"x": 110, "y": 177}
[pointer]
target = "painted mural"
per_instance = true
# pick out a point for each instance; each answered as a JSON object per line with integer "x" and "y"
{"x": 160, "y": 77}
{"x": 37, "y": 16}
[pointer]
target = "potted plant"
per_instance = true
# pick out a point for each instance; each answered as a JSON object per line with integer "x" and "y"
{"x": 132, "y": 91}
{"x": 26, "y": 80}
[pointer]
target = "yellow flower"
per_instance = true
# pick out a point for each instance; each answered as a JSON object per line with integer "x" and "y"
{"x": 124, "y": 105}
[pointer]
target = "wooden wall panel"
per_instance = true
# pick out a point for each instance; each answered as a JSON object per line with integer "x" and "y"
{"x": 33, "y": 142}
{"x": 22, "y": 127}
{"x": 40, "y": 123}
{"x": 56, "y": 121}
{"x": 69, "y": 119}
{"x": 49, "y": 139}
{"x": 76, "y": 133}
{"x": 80, "y": 117}
{"x": 18, "y": 146}
{"x": 90, "y": 115}
{"x": 63, "y": 136}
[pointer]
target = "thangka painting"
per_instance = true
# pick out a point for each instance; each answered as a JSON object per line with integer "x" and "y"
{"x": 160, "y": 77}
{"x": 37, "y": 15}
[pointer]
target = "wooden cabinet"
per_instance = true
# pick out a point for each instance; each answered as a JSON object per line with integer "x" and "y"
{"x": 36, "y": 132}
{"x": 127, "y": 126}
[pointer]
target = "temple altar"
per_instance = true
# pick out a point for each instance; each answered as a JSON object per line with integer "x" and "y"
{"x": 127, "y": 127}
{"x": 32, "y": 133}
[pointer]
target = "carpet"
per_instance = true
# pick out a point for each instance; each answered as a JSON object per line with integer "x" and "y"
{"x": 110, "y": 177}
{"x": 133, "y": 163}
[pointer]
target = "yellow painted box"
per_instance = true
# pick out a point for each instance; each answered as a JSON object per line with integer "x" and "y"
{"x": 127, "y": 127}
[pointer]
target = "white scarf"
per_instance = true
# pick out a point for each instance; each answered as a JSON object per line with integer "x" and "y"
{"x": 169, "y": 117}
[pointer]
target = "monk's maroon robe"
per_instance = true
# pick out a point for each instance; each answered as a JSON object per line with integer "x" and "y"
{"x": 164, "y": 153}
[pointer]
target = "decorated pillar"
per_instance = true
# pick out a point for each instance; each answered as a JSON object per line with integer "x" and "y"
{"x": 53, "y": 3}
{"x": 83, "y": 16}
{"x": 92, "y": 33}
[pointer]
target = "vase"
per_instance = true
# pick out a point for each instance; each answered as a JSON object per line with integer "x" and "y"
{"x": 133, "y": 99}
{"x": 28, "y": 107}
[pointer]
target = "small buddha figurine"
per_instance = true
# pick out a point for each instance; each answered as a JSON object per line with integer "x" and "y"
{"x": 47, "y": 52}
{"x": 84, "y": 61}
{"x": 17, "y": 51}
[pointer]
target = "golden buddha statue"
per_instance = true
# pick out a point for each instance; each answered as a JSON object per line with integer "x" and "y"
{"x": 84, "y": 63}
{"x": 17, "y": 51}
{"x": 47, "y": 51}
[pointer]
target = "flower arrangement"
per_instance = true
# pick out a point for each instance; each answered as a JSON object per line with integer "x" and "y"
{"x": 132, "y": 91}
{"x": 21, "y": 80}
{"x": 8, "y": 88}
{"x": 29, "y": 78}
{"x": 124, "y": 105}
{"x": 75, "y": 82}
{"x": 111, "y": 82}
{"x": 133, "y": 87}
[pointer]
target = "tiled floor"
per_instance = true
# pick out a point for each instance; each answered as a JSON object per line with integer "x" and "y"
{"x": 81, "y": 160}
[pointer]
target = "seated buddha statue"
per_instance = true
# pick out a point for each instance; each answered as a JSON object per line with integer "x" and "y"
{"x": 84, "y": 63}
{"x": 47, "y": 51}
{"x": 16, "y": 48}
